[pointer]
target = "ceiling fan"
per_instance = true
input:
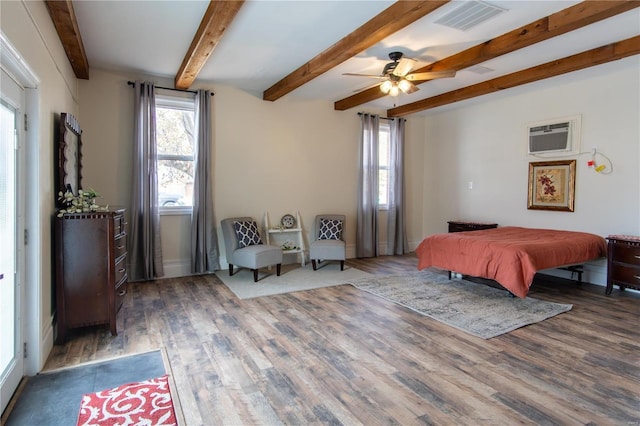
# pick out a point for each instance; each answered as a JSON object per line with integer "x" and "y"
{"x": 397, "y": 76}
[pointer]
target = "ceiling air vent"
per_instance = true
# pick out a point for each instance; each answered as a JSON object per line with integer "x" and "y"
{"x": 470, "y": 14}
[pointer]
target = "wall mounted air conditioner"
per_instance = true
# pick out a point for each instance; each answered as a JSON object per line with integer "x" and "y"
{"x": 554, "y": 138}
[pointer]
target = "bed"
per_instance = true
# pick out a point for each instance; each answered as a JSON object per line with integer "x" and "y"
{"x": 509, "y": 255}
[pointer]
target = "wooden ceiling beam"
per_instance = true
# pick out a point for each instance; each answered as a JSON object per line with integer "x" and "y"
{"x": 387, "y": 22}
{"x": 216, "y": 20}
{"x": 64, "y": 19}
{"x": 597, "y": 56}
{"x": 564, "y": 21}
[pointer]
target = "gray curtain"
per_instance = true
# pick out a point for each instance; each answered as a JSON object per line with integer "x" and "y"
{"x": 145, "y": 248}
{"x": 204, "y": 240}
{"x": 396, "y": 232}
{"x": 367, "y": 214}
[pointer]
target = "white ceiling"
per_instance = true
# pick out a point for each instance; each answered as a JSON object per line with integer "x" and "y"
{"x": 269, "y": 39}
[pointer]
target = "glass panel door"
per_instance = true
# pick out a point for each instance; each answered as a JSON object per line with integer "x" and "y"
{"x": 11, "y": 362}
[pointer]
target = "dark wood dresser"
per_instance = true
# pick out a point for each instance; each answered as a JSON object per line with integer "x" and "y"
{"x": 91, "y": 269}
{"x": 461, "y": 226}
{"x": 623, "y": 262}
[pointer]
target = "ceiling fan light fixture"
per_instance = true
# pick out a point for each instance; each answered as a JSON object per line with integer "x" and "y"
{"x": 404, "y": 85}
{"x": 398, "y": 78}
{"x": 386, "y": 87}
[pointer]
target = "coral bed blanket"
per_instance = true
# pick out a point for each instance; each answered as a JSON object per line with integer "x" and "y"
{"x": 509, "y": 255}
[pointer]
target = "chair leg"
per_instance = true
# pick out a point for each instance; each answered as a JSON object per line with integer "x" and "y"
{"x": 230, "y": 269}
{"x": 255, "y": 275}
{"x": 313, "y": 263}
{"x": 342, "y": 265}
{"x": 278, "y": 268}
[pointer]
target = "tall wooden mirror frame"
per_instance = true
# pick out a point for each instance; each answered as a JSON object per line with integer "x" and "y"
{"x": 69, "y": 154}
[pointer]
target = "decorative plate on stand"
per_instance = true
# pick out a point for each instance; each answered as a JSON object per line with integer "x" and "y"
{"x": 288, "y": 221}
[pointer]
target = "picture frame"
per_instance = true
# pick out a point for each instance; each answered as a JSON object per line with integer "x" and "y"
{"x": 552, "y": 185}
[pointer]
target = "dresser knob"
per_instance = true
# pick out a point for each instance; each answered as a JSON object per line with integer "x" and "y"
{"x": 122, "y": 293}
{"x": 121, "y": 270}
{"x": 637, "y": 256}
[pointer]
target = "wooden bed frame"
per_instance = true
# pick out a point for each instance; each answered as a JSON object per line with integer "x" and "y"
{"x": 574, "y": 269}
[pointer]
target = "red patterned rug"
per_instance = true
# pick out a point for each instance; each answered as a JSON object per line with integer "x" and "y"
{"x": 142, "y": 403}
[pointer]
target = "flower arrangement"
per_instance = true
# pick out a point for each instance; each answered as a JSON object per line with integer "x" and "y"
{"x": 84, "y": 202}
{"x": 288, "y": 245}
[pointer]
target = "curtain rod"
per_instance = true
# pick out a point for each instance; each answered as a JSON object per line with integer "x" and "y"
{"x": 385, "y": 118}
{"x": 131, "y": 83}
{"x": 382, "y": 118}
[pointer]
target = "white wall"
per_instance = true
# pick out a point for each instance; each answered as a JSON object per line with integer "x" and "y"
{"x": 483, "y": 141}
{"x": 29, "y": 29}
{"x": 285, "y": 156}
{"x": 277, "y": 157}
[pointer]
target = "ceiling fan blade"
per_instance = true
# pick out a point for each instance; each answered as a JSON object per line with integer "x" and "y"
{"x": 423, "y": 76}
{"x": 404, "y": 66}
{"x": 364, "y": 75}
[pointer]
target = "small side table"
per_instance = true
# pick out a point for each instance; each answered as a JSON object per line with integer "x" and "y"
{"x": 461, "y": 226}
{"x": 280, "y": 235}
{"x": 623, "y": 262}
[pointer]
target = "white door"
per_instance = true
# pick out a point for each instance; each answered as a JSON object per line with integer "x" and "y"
{"x": 11, "y": 249}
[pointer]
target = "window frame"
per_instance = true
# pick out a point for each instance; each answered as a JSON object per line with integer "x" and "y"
{"x": 384, "y": 128}
{"x": 177, "y": 101}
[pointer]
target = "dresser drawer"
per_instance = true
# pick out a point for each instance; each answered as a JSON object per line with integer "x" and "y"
{"x": 121, "y": 269}
{"x": 626, "y": 274}
{"x": 119, "y": 226}
{"x": 121, "y": 292}
{"x": 624, "y": 253}
{"x": 120, "y": 246}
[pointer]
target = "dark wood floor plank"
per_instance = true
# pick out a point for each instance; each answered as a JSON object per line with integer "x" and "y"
{"x": 342, "y": 356}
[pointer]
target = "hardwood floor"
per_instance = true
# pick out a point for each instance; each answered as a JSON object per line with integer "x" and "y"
{"x": 339, "y": 355}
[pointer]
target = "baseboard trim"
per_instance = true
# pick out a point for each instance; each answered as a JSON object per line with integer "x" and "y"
{"x": 46, "y": 345}
{"x": 177, "y": 268}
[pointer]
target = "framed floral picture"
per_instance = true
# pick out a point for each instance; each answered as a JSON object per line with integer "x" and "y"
{"x": 552, "y": 185}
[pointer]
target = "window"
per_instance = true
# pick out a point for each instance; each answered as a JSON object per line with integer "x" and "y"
{"x": 383, "y": 165}
{"x": 176, "y": 147}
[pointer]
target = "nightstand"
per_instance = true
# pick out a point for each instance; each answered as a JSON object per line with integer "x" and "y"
{"x": 460, "y": 226}
{"x": 623, "y": 262}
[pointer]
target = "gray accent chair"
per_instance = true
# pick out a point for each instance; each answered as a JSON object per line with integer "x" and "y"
{"x": 321, "y": 250}
{"x": 252, "y": 257}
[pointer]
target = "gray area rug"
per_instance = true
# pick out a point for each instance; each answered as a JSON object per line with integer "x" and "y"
{"x": 293, "y": 277}
{"x": 477, "y": 309}
{"x": 53, "y": 398}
